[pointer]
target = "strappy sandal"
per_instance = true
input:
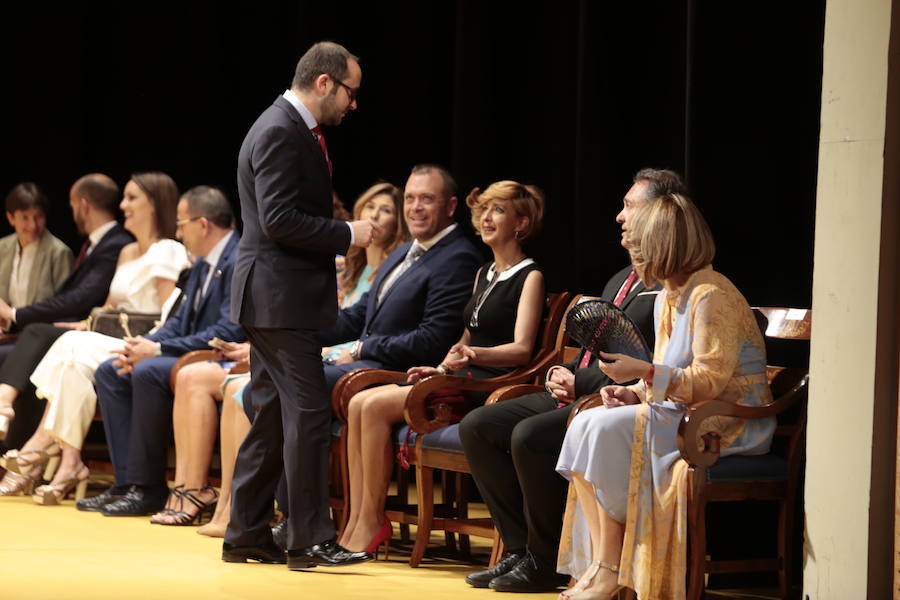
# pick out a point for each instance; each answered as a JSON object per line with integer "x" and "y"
{"x": 204, "y": 509}
{"x": 25, "y": 462}
{"x": 174, "y": 493}
{"x": 579, "y": 591}
{"x": 52, "y": 494}
{"x": 14, "y": 484}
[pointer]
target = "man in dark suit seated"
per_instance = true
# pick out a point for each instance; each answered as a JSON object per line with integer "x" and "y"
{"x": 413, "y": 312}
{"x": 133, "y": 388}
{"x": 94, "y": 199}
{"x": 512, "y": 446}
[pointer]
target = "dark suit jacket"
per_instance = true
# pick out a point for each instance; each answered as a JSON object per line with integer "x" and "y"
{"x": 638, "y": 305}
{"x": 190, "y": 329}
{"x": 421, "y": 314}
{"x": 284, "y": 275}
{"x": 85, "y": 288}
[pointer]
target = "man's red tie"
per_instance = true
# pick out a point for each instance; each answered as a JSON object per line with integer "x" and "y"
{"x": 83, "y": 254}
{"x": 317, "y": 131}
{"x": 626, "y": 287}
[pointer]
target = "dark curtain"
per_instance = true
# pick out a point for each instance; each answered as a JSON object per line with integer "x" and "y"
{"x": 571, "y": 96}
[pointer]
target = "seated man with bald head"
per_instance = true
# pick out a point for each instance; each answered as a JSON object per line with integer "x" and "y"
{"x": 94, "y": 199}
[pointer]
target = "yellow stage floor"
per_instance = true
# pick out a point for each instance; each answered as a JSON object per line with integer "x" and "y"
{"x": 61, "y": 553}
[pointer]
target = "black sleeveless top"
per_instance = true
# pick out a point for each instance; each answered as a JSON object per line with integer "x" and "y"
{"x": 497, "y": 306}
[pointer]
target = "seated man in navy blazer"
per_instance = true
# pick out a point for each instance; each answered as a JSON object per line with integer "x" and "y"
{"x": 133, "y": 388}
{"x": 413, "y": 312}
{"x": 94, "y": 200}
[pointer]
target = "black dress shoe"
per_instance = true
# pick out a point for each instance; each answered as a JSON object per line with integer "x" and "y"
{"x": 269, "y": 554}
{"x": 137, "y": 502}
{"x": 481, "y": 579}
{"x": 279, "y": 534}
{"x": 529, "y": 576}
{"x": 96, "y": 503}
{"x": 327, "y": 554}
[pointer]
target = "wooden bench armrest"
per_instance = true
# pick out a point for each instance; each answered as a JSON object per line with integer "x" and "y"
{"x": 703, "y": 450}
{"x": 357, "y": 380}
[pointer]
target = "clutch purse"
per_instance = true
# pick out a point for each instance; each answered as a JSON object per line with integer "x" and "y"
{"x": 119, "y": 323}
{"x": 601, "y": 326}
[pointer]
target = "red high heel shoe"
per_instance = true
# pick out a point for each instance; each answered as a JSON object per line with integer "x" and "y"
{"x": 382, "y": 537}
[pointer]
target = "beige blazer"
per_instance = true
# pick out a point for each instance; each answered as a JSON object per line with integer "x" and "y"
{"x": 52, "y": 264}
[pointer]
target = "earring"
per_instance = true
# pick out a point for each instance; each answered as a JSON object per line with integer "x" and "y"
{"x": 517, "y": 233}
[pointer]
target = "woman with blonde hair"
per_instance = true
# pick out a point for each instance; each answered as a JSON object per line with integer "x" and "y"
{"x": 502, "y": 320}
{"x": 628, "y": 529}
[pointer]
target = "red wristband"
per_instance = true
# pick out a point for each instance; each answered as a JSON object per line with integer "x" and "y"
{"x": 649, "y": 376}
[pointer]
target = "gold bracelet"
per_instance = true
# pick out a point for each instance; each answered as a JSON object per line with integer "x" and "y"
{"x": 444, "y": 369}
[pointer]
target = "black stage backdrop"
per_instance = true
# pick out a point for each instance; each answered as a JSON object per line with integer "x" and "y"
{"x": 571, "y": 96}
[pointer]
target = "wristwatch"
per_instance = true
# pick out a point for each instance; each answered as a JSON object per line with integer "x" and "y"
{"x": 354, "y": 350}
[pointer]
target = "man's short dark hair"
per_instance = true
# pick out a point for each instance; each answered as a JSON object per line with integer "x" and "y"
{"x": 661, "y": 182}
{"x": 210, "y": 203}
{"x": 25, "y": 196}
{"x": 322, "y": 58}
{"x": 446, "y": 177}
{"x": 100, "y": 191}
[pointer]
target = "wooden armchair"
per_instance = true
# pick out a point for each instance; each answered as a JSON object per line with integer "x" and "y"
{"x": 438, "y": 446}
{"x": 774, "y": 476}
{"x": 419, "y": 420}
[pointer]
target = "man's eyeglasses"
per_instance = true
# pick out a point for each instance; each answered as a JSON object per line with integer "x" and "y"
{"x": 183, "y": 222}
{"x": 351, "y": 92}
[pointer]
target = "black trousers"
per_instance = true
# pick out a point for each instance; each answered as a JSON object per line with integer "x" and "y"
{"x": 512, "y": 448}
{"x": 291, "y": 429}
{"x": 20, "y": 362}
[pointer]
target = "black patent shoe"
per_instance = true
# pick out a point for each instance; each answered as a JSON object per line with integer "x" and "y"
{"x": 137, "y": 502}
{"x": 96, "y": 503}
{"x": 529, "y": 576}
{"x": 328, "y": 554}
{"x": 279, "y": 534}
{"x": 481, "y": 579}
{"x": 269, "y": 554}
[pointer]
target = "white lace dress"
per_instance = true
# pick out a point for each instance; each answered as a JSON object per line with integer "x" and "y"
{"x": 65, "y": 376}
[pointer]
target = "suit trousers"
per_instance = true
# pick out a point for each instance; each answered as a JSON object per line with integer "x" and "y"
{"x": 19, "y": 362}
{"x": 512, "y": 448}
{"x": 291, "y": 430}
{"x": 137, "y": 419}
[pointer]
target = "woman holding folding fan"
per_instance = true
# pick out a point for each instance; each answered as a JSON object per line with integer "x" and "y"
{"x": 622, "y": 458}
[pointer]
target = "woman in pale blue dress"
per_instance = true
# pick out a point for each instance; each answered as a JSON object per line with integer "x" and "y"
{"x": 200, "y": 386}
{"x": 627, "y": 527}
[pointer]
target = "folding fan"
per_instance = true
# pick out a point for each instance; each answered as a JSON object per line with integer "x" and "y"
{"x": 601, "y": 326}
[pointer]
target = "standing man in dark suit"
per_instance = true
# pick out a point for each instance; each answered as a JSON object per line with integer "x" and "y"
{"x": 94, "y": 199}
{"x": 512, "y": 446}
{"x": 284, "y": 291}
{"x": 133, "y": 389}
{"x": 413, "y": 311}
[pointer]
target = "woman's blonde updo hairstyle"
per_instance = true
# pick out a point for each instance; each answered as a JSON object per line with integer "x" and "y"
{"x": 526, "y": 201}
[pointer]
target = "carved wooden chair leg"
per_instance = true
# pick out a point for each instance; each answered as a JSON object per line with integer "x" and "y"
{"x": 425, "y": 495}
{"x": 462, "y": 511}
{"x": 697, "y": 534}
{"x": 496, "y": 549}
{"x": 448, "y": 498}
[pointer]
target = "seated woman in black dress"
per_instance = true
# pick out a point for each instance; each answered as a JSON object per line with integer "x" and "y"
{"x": 502, "y": 320}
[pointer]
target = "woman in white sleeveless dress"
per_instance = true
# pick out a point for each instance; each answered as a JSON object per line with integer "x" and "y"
{"x": 144, "y": 279}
